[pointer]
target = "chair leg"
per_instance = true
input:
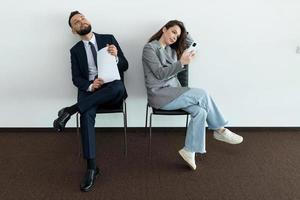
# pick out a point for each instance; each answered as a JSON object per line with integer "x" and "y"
{"x": 146, "y": 123}
{"x": 187, "y": 123}
{"x": 78, "y": 135}
{"x": 150, "y": 135}
{"x": 125, "y": 129}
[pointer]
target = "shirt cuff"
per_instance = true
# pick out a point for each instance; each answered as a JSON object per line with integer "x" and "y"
{"x": 90, "y": 88}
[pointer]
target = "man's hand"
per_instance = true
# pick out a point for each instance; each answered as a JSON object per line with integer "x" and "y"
{"x": 112, "y": 49}
{"x": 98, "y": 82}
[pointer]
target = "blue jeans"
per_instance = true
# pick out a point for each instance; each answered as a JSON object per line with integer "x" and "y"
{"x": 202, "y": 109}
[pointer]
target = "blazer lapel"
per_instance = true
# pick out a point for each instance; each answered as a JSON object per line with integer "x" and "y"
{"x": 170, "y": 55}
{"x": 100, "y": 41}
{"x": 83, "y": 62}
{"x": 165, "y": 54}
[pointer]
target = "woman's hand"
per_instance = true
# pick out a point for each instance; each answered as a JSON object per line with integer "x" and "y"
{"x": 187, "y": 57}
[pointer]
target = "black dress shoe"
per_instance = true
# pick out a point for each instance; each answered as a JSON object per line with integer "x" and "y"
{"x": 60, "y": 123}
{"x": 89, "y": 179}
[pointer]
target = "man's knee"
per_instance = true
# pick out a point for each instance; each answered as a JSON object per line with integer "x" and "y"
{"x": 118, "y": 88}
{"x": 88, "y": 115}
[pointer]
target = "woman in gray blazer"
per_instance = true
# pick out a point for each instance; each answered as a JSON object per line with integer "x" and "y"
{"x": 164, "y": 56}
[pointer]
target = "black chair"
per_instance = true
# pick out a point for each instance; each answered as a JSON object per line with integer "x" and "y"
{"x": 161, "y": 112}
{"x": 120, "y": 109}
{"x": 183, "y": 79}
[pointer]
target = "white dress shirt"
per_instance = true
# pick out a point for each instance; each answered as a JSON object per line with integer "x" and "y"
{"x": 90, "y": 59}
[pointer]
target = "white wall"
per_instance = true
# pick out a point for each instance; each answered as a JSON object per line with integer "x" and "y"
{"x": 247, "y": 59}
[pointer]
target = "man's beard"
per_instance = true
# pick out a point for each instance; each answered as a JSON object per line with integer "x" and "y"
{"x": 85, "y": 31}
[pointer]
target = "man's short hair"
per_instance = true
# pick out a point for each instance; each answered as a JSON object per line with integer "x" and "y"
{"x": 71, "y": 15}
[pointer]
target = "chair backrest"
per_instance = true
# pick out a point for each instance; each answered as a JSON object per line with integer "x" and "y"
{"x": 183, "y": 77}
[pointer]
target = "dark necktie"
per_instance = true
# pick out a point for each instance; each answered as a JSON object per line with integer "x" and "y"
{"x": 94, "y": 53}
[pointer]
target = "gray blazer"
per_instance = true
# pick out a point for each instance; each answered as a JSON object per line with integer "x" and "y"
{"x": 161, "y": 67}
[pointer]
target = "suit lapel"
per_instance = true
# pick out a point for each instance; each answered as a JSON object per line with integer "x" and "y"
{"x": 170, "y": 57}
{"x": 83, "y": 62}
{"x": 101, "y": 42}
{"x": 165, "y": 54}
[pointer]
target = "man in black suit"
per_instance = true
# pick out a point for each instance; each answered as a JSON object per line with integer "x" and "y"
{"x": 92, "y": 91}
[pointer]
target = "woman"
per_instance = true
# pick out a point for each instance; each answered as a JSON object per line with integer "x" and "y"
{"x": 163, "y": 58}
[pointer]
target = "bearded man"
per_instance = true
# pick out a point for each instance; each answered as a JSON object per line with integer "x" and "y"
{"x": 92, "y": 91}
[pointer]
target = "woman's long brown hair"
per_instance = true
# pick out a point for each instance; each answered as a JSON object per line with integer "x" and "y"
{"x": 180, "y": 45}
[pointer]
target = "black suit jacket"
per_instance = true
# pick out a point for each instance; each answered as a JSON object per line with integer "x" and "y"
{"x": 79, "y": 63}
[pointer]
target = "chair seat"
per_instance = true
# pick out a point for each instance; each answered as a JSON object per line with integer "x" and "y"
{"x": 110, "y": 110}
{"x": 169, "y": 112}
{"x": 118, "y": 108}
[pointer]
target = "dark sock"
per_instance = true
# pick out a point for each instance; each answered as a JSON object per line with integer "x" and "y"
{"x": 72, "y": 109}
{"x": 91, "y": 163}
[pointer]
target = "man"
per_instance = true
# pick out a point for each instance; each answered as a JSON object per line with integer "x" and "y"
{"x": 92, "y": 91}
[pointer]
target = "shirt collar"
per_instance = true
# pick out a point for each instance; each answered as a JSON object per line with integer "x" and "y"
{"x": 92, "y": 40}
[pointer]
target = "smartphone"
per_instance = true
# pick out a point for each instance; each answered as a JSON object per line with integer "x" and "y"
{"x": 193, "y": 47}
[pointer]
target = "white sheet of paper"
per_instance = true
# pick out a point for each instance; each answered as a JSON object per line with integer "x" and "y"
{"x": 107, "y": 66}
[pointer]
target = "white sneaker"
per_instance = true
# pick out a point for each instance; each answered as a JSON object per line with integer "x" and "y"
{"x": 188, "y": 157}
{"x": 228, "y": 137}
